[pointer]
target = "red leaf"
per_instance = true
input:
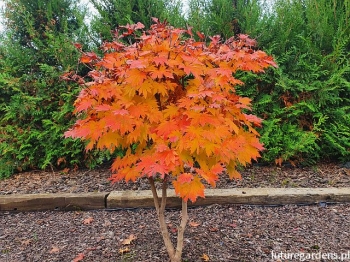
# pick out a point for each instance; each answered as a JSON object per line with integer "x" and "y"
{"x": 201, "y": 36}
{"x": 88, "y": 57}
{"x": 77, "y": 45}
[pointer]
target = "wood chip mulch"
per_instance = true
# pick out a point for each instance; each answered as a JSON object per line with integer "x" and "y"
{"x": 214, "y": 233}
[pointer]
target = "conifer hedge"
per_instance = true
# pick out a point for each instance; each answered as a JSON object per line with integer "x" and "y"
{"x": 305, "y": 102}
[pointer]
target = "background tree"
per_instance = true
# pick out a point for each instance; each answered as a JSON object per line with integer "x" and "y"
{"x": 36, "y": 49}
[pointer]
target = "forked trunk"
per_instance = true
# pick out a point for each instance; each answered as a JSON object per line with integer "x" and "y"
{"x": 175, "y": 254}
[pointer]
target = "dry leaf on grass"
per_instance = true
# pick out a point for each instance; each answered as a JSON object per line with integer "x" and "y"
{"x": 54, "y": 250}
{"x": 128, "y": 240}
{"x": 88, "y": 220}
{"x": 79, "y": 257}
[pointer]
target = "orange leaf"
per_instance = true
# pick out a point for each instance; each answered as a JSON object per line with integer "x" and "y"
{"x": 54, "y": 250}
{"x": 26, "y": 242}
{"x": 79, "y": 257}
{"x": 278, "y": 161}
{"x": 128, "y": 240}
{"x": 189, "y": 188}
{"x": 124, "y": 250}
{"x": 194, "y": 224}
{"x": 205, "y": 257}
{"x": 88, "y": 220}
{"x": 169, "y": 101}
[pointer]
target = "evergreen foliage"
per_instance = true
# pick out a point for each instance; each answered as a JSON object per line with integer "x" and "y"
{"x": 305, "y": 102}
{"x": 35, "y": 104}
{"x": 113, "y": 13}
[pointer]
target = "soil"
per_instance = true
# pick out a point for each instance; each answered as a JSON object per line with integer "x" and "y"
{"x": 214, "y": 233}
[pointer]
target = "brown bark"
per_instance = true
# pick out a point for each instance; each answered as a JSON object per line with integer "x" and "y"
{"x": 174, "y": 254}
{"x": 160, "y": 208}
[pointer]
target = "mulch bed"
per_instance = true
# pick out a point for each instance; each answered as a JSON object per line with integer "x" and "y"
{"x": 222, "y": 232}
{"x": 323, "y": 175}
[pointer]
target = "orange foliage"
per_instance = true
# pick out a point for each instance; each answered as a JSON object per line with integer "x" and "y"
{"x": 175, "y": 98}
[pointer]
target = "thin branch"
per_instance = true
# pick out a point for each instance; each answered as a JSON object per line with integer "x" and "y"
{"x": 164, "y": 192}
{"x": 154, "y": 193}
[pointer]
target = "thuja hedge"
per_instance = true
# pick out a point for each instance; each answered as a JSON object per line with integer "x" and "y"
{"x": 35, "y": 105}
{"x": 305, "y": 102}
{"x": 36, "y": 50}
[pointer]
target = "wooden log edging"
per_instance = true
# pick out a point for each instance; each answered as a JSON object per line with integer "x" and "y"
{"x": 54, "y": 201}
{"x": 143, "y": 198}
{"x": 247, "y": 196}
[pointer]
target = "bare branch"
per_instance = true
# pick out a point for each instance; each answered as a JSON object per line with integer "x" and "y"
{"x": 154, "y": 193}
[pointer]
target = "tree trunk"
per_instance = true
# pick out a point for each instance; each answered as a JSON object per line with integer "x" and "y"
{"x": 174, "y": 254}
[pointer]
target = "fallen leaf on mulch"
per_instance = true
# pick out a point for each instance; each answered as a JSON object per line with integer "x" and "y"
{"x": 54, "y": 250}
{"x": 88, "y": 220}
{"x": 124, "y": 250}
{"x": 205, "y": 257}
{"x": 194, "y": 224}
{"x": 79, "y": 257}
{"x": 26, "y": 242}
{"x": 65, "y": 171}
{"x": 128, "y": 240}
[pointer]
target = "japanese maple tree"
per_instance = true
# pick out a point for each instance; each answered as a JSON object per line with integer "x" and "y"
{"x": 169, "y": 101}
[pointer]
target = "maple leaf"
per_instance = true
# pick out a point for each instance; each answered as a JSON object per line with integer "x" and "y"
{"x": 162, "y": 71}
{"x": 88, "y": 57}
{"x": 189, "y": 187}
{"x": 135, "y": 77}
{"x": 77, "y": 45}
{"x": 129, "y": 239}
{"x": 253, "y": 119}
{"x": 161, "y": 60}
{"x": 194, "y": 224}
{"x": 26, "y": 242}
{"x": 88, "y": 220}
{"x": 233, "y": 173}
{"x": 79, "y": 257}
{"x": 205, "y": 257}
{"x": 209, "y": 176}
{"x": 54, "y": 250}
{"x": 124, "y": 250}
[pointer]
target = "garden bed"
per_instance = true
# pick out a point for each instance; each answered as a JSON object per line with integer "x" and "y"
{"x": 215, "y": 232}
{"x": 83, "y": 181}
